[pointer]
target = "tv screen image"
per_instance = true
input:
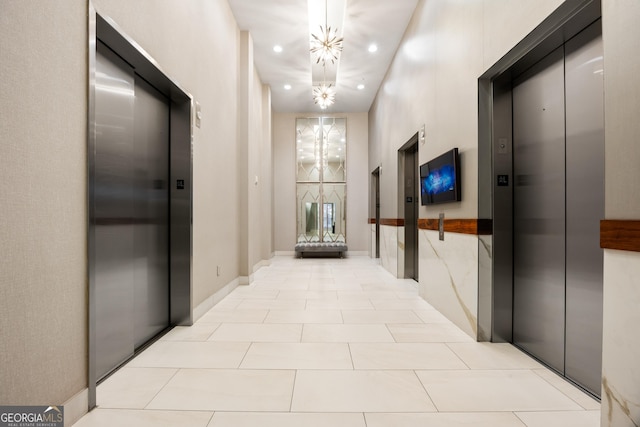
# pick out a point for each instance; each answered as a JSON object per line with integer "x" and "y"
{"x": 440, "y": 179}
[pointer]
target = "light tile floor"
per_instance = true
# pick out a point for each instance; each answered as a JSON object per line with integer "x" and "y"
{"x": 333, "y": 342}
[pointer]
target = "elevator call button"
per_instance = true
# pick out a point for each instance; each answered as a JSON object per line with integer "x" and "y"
{"x": 503, "y": 180}
{"x": 180, "y": 184}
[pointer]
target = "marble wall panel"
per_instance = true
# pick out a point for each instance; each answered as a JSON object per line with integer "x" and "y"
{"x": 620, "y": 346}
{"x": 485, "y": 274}
{"x": 449, "y": 277}
{"x": 400, "y": 231}
{"x": 389, "y": 248}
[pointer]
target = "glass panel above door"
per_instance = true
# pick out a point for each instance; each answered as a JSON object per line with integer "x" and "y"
{"x": 335, "y": 149}
{"x": 308, "y": 155}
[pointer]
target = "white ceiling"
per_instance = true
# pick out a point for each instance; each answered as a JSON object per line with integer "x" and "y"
{"x": 286, "y": 23}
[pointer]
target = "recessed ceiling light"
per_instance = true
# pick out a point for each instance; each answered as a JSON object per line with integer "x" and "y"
{"x": 360, "y": 86}
{"x": 277, "y": 48}
{"x": 343, "y": 140}
{"x": 287, "y": 87}
{"x": 373, "y": 47}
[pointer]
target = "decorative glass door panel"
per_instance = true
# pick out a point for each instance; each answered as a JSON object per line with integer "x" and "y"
{"x": 334, "y": 215}
{"x": 308, "y": 229}
{"x": 321, "y": 154}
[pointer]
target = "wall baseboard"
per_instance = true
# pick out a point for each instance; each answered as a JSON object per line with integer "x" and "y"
{"x": 285, "y": 253}
{"x": 358, "y": 253}
{"x": 76, "y": 407}
{"x": 263, "y": 263}
{"x": 210, "y": 302}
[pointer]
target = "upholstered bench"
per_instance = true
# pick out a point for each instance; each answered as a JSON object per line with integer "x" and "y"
{"x": 321, "y": 249}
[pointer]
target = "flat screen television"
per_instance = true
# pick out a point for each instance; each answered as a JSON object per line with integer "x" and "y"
{"x": 440, "y": 179}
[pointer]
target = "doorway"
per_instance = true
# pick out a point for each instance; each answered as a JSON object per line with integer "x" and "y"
{"x": 409, "y": 193}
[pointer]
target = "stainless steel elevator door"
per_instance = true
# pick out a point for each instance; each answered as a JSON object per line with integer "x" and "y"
{"x": 114, "y": 211}
{"x": 558, "y": 161}
{"x": 539, "y": 211}
{"x": 151, "y": 208}
{"x": 585, "y": 207}
{"x": 132, "y": 212}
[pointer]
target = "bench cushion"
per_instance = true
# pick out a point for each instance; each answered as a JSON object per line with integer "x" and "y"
{"x": 321, "y": 247}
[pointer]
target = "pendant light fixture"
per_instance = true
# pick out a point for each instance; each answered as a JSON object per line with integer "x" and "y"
{"x": 327, "y": 47}
{"x": 324, "y": 95}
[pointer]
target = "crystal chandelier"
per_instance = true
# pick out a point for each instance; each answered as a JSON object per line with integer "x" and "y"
{"x": 324, "y": 95}
{"x": 327, "y": 46}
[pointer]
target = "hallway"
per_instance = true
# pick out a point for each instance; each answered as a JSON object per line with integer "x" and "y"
{"x": 333, "y": 342}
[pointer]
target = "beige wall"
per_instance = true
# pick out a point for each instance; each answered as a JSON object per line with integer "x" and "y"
{"x": 433, "y": 82}
{"x": 259, "y": 177}
{"x": 621, "y": 342}
{"x": 284, "y": 180}
{"x": 43, "y": 266}
{"x": 43, "y": 113}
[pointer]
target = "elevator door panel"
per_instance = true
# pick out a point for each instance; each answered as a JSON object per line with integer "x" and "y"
{"x": 585, "y": 208}
{"x": 114, "y": 211}
{"x": 539, "y": 214}
{"x": 151, "y": 208}
{"x": 131, "y": 210}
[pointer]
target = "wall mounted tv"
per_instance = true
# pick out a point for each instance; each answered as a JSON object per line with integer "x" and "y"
{"x": 440, "y": 179}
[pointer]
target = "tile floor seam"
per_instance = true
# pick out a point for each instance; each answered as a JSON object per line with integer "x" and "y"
{"x": 561, "y": 391}
{"x": 245, "y": 355}
{"x": 293, "y": 390}
{"x": 424, "y": 387}
{"x": 515, "y": 413}
{"x": 458, "y": 356}
{"x": 386, "y": 325}
{"x": 301, "y": 333}
{"x": 214, "y": 331}
{"x": 364, "y": 419}
{"x": 353, "y": 366}
{"x": 161, "y": 388}
{"x": 213, "y": 413}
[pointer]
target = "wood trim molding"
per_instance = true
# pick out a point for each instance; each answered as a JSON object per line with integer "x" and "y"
{"x": 462, "y": 226}
{"x": 394, "y": 222}
{"x": 623, "y": 235}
